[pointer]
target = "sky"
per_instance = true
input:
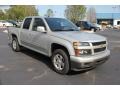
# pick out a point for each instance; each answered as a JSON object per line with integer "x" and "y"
{"x": 107, "y": 8}
{"x": 59, "y": 9}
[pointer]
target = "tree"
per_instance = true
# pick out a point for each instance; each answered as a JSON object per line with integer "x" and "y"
{"x": 49, "y": 13}
{"x": 75, "y": 12}
{"x": 18, "y": 12}
{"x": 2, "y": 15}
{"x": 91, "y": 15}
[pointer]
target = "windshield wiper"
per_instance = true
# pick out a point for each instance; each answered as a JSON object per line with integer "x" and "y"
{"x": 65, "y": 30}
{"x": 57, "y": 30}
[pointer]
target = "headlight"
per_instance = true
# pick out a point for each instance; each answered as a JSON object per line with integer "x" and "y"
{"x": 79, "y": 51}
{"x": 80, "y": 44}
{"x": 84, "y": 44}
{"x": 77, "y": 44}
{"x": 85, "y": 52}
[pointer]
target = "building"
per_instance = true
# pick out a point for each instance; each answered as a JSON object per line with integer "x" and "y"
{"x": 108, "y": 18}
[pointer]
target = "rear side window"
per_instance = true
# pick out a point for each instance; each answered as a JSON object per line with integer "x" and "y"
{"x": 27, "y": 22}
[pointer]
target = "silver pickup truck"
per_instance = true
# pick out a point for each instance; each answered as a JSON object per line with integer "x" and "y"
{"x": 58, "y": 38}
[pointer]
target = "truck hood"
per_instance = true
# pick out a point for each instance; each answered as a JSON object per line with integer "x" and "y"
{"x": 80, "y": 36}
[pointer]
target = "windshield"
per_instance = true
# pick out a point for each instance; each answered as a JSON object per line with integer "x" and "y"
{"x": 90, "y": 24}
{"x": 60, "y": 24}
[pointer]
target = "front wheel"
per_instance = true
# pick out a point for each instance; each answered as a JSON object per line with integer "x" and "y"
{"x": 92, "y": 29}
{"x": 60, "y": 61}
{"x": 15, "y": 44}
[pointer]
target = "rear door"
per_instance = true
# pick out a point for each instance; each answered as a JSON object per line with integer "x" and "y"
{"x": 25, "y": 32}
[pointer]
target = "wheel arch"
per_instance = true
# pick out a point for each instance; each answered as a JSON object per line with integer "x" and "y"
{"x": 55, "y": 46}
{"x": 13, "y": 35}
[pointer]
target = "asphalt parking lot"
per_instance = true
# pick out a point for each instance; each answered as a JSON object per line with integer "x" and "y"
{"x": 28, "y": 67}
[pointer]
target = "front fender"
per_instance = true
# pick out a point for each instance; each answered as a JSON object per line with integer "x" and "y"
{"x": 67, "y": 44}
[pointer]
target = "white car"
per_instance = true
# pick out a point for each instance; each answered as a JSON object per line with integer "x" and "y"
{"x": 4, "y": 23}
{"x": 116, "y": 27}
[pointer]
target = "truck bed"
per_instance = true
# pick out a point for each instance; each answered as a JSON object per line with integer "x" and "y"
{"x": 14, "y": 31}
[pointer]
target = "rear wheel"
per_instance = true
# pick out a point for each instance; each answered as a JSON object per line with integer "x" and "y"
{"x": 15, "y": 44}
{"x": 60, "y": 61}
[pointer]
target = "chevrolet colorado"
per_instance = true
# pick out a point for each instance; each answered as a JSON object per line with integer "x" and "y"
{"x": 58, "y": 38}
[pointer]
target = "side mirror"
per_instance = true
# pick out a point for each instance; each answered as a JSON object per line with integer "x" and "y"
{"x": 41, "y": 29}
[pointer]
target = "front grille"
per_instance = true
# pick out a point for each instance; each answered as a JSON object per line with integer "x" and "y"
{"x": 99, "y": 46}
{"x": 98, "y": 43}
{"x": 99, "y": 49}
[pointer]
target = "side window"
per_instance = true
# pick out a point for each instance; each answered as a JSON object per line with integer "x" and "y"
{"x": 37, "y": 22}
{"x": 27, "y": 22}
{"x": 118, "y": 22}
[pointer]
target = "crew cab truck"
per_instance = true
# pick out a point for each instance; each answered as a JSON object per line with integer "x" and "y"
{"x": 59, "y": 39}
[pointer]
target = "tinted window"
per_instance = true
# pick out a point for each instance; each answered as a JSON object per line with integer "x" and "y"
{"x": 60, "y": 24}
{"x": 79, "y": 24}
{"x": 118, "y": 23}
{"x": 27, "y": 22}
{"x": 85, "y": 24}
{"x": 37, "y": 22}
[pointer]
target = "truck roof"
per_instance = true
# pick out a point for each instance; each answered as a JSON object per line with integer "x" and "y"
{"x": 40, "y": 17}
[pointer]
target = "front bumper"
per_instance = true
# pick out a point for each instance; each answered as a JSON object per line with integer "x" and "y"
{"x": 87, "y": 62}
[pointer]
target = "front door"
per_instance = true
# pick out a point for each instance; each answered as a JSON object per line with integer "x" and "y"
{"x": 39, "y": 39}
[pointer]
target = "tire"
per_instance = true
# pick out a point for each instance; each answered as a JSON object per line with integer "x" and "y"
{"x": 15, "y": 44}
{"x": 64, "y": 62}
{"x": 92, "y": 29}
